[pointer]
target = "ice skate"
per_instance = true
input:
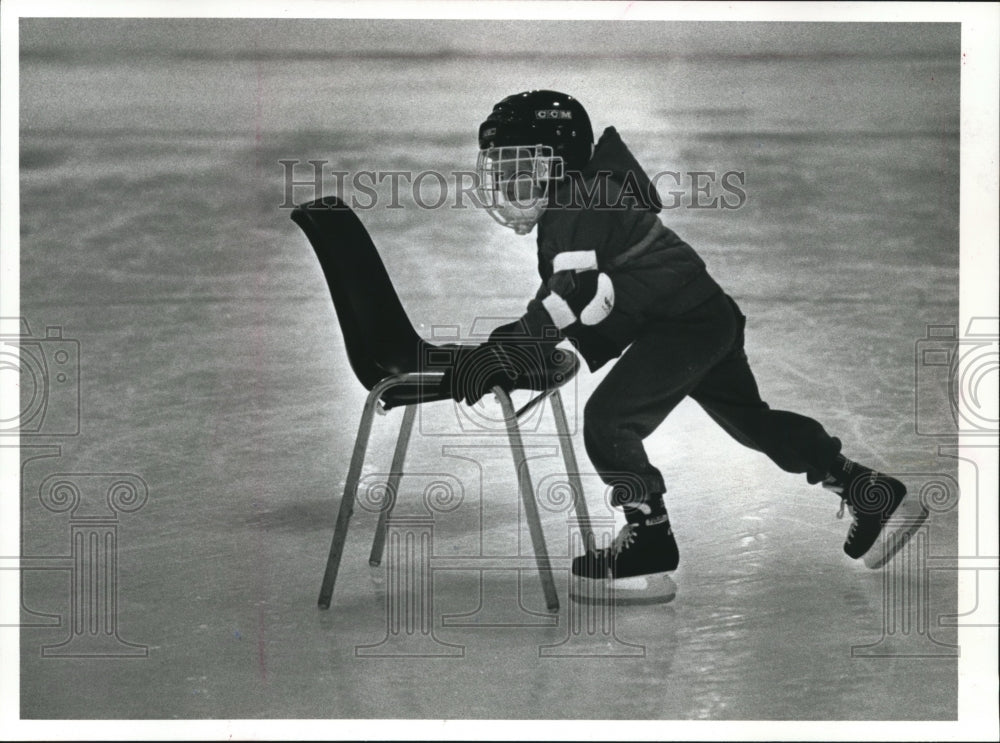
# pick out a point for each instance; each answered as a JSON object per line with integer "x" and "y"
{"x": 872, "y": 498}
{"x": 633, "y": 570}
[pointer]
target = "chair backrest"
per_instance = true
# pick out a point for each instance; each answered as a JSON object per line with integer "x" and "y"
{"x": 378, "y": 333}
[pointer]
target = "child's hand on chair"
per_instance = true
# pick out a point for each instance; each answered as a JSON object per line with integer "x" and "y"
{"x": 476, "y": 371}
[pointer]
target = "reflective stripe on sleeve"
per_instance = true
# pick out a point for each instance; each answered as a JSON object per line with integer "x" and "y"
{"x": 575, "y": 260}
{"x": 603, "y": 302}
{"x": 560, "y": 312}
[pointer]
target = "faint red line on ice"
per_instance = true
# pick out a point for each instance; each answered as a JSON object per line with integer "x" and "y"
{"x": 258, "y": 118}
{"x": 261, "y": 660}
{"x": 260, "y": 360}
{"x": 258, "y": 114}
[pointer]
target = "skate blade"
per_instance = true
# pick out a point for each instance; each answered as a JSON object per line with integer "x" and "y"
{"x": 896, "y": 533}
{"x": 656, "y": 588}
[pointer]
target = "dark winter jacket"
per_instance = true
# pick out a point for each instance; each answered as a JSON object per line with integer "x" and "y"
{"x": 655, "y": 274}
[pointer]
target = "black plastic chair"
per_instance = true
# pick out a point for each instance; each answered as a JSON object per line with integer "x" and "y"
{"x": 390, "y": 359}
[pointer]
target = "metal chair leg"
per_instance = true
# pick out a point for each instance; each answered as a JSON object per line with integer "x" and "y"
{"x": 528, "y": 498}
{"x": 347, "y": 502}
{"x": 572, "y": 471}
{"x": 392, "y": 486}
{"x": 511, "y": 418}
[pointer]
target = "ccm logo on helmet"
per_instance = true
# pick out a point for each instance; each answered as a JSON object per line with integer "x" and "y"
{"x": 553, "y": 113}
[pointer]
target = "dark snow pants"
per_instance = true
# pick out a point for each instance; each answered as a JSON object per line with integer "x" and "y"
{"x": 698, "y": 355}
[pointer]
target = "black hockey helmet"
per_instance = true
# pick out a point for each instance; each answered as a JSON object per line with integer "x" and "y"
{"x": 541, "y": 117}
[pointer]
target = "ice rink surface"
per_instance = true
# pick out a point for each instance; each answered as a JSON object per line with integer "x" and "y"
{"x": 212, "y": 367}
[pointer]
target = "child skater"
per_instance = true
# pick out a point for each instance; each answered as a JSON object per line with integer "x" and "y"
{"x": 618, "y": 284}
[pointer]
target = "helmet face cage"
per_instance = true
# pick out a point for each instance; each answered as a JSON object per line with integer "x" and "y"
{"x": 513, "y": 183}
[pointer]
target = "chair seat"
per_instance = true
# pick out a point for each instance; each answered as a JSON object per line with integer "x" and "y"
{"x": 414, "y": 393}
